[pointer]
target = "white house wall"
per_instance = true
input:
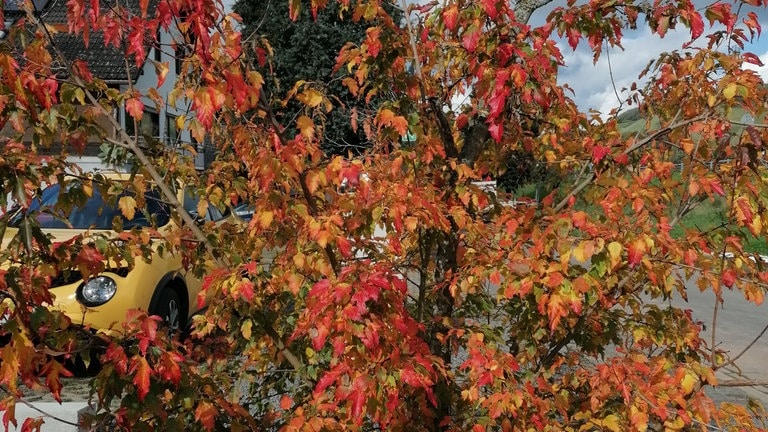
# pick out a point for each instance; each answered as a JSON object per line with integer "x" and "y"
{"x": 148, "y": 79}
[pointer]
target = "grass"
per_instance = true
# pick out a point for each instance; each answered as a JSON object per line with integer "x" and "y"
{"x": 711, "y": 214}
{"x": 707, "y": 215}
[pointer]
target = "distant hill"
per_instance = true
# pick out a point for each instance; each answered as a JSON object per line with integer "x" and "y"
{"x": 632, "y": 121}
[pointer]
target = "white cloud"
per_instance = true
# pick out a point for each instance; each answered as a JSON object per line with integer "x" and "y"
{"x": 596, "y": 85}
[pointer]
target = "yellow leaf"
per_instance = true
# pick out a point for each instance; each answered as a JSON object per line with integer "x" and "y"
{"x": 730, "y": 91}
{"x": 306, "y": 126}
{"x": 638, "y": 419}
{"x": 674, "y": 424}
{"x": 584, "y": 251}
{"x": 180, "y": 122}
{"x": 88, "y": 189}
{"x": 202, "y": 209}
{"x": 689, "y": 380}
{"x": 614, "y": 250}
{"x": 687, "y": 145}
{"x": 265, "y": 218}
{"x": 311, "y": 98}
{"x": 127, "y": 206}
{"x": 245, "y": 329}
{"x": 611, "y": 422}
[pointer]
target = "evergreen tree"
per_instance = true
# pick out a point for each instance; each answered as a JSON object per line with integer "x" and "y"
{"x": 306, "y": 49}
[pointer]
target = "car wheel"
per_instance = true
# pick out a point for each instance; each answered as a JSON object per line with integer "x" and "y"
{"x": 169, "y": 309}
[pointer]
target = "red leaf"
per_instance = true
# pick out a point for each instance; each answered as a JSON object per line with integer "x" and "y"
{"x": 696, "y": 23}
{"x": 116, "y": 355}
{"x": 753, "y": 24}
{"x": 358, "y": 397}
{"x": 148, "y": 332}
{"x": 206, "y": 103}
{"x": 461, "y": 121}
{"x": 344, "y": 247}
{"x": 372, "y": 41}
{"x": 142, "y": 371}
{"x": 621, "y": 159}
{"x": 470, "y": 40}
{"x": 728, "y": 278}
{"x": 53, "y": 371}
{"x": 80, "y": 68}
{"x": 753, "y": 59}
{"x": 716, "y": 187}
{"x": 136, "y": 40}
{"x": 89, "y": 261}
{"x": 497, "y": 131}
{"x": 598, "y": 153}
{"x": 491, "y": 8}
{"x": 326, "y": 380}
{"x": 690, "y": 257}
{"x": 246, "y": 290}
{"x": 319, "y": 335}
{"x": 573, "y": 37}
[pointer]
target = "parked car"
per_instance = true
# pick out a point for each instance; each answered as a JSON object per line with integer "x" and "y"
{"x": 161, "y": 286}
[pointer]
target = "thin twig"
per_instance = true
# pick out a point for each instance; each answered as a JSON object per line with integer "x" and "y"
{"x": 754, "y": 341}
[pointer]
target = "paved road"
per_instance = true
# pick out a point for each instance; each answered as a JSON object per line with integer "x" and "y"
{"x": 739, "y": 322}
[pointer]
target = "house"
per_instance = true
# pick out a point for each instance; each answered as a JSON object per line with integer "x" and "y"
{"x": 158, "y": 124}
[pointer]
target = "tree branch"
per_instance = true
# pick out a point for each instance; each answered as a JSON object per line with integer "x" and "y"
{"x": 663, "y": 131}
{"x": 525, "y": 8}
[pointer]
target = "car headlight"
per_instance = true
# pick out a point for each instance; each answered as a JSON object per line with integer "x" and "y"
{"x": 97, "y": 291}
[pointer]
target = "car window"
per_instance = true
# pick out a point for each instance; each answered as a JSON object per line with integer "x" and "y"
{"x": 191, "y": 199}
{"x": 96, "y": 213}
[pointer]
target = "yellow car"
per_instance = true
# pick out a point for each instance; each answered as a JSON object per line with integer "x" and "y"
{"x": 161, "y": 286}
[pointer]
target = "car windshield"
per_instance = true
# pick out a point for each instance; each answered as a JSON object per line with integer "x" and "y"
{"x": 96, "y": 213}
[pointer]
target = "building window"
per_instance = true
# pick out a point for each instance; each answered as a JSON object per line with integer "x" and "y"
{"x": 149, "y": 125}
{"x": 171, "y": 132}
{"x": 182, "y": 52}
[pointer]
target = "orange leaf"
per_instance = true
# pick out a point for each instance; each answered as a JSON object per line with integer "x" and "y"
{"x": 636, "y": 250}
{"x": 205, "y": 413}
{"x": 306, "y": 127}
{"x": 286, "y": 402}
{"x": 142, "y": 371}
{"x": 135, "y": 107}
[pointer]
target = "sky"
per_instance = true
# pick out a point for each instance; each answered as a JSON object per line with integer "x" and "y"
{"x": 592, "y": 82}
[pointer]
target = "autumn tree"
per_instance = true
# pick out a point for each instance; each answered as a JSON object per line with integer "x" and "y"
{"x": 410, "y": 298}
